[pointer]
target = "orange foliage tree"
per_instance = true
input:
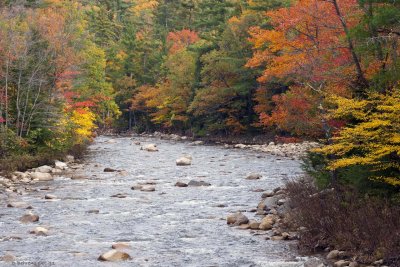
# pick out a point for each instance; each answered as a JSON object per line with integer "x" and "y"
{"x": 310, "y": 49}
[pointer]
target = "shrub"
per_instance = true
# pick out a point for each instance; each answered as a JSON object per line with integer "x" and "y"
{"x": 366, "y": 226}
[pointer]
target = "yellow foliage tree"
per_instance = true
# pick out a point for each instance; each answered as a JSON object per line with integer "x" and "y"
{"x": 83, "y": 124}
{"x": 373, "y": 140}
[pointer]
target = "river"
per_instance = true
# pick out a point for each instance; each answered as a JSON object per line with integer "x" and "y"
{"x": 172, "y": 226}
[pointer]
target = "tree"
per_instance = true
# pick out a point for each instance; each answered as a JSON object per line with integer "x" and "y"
{"x": 371, "y": 138}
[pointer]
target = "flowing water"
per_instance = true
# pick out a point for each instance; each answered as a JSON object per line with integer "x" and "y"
{"x": 169, "y": 227}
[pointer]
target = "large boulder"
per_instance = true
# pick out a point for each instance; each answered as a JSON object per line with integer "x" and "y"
{"x": 41, "y": 176}
{"x": 114, "y": 255}
{"x": 237, "y": 218}
{"x": 150, "y": 148}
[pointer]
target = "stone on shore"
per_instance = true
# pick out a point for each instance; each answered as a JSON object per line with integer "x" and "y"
{"x": 60, "y": 165}
{"x": 44, "y": 169}
{"x": 41, "y": 176}
{"x": 267, "y": 222}
{"x": 268, "y": 194}
{"x": 69, "y": 158}
{"x": 237, "y": 218}
{"x": 241, "y": 146}
{"x": 334, "y": 254}
{"x": 21, "y": 175}
{"x": 341, "y": 263}
{"x": 114, "y": 255}
{"x": 254, "y": 225}
{"x": 197, "y": 143}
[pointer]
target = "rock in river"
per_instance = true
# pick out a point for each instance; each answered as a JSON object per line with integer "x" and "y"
{"x": 29, "y": 217}
{"x": 198, "y": 183}
{"x": 110, "y": 170}
{"x": 39, "y": 231}
{"x": 50, "y": 196}
{"x": 114, "y": 255}
{"x": 267, "y": 222}
{"x": 22, "y": 205}
{"x": 253, "y": 176}
{"x": 150, "y": 148}
{"x": 181, "y": 184}
{"x": 184, "y": 161}
{"x": 148, "y": 188}
{"x": 120, "y": 246}
{"x": 237, "y": 218}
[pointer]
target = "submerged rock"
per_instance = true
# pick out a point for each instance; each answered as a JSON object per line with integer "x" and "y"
{"x": 254, "y": 176}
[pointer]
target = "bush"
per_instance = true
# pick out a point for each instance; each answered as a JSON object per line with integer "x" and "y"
{"x": 366, "y": 226}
